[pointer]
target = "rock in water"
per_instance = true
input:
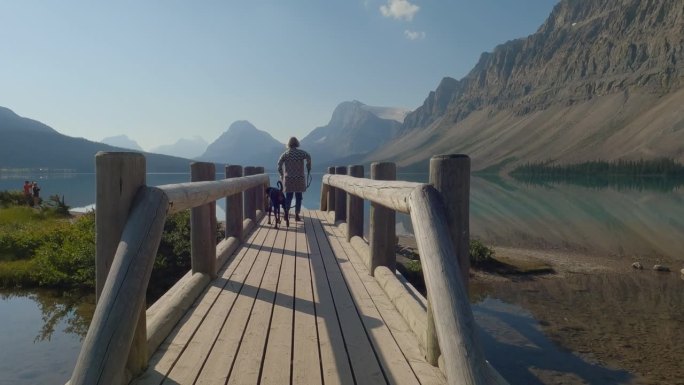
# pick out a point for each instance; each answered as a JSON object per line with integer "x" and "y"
{"x": 637, "y": 265}
{"x": 660, "y": 268}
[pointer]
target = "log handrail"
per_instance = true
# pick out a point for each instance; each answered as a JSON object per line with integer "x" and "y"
{"x": 464, "y": 361}
{"x": 183, "y": 196}
{"x": 105, "y": 349}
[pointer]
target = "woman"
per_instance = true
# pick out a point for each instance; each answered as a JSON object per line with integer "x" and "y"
{"x": 291, "y": 170}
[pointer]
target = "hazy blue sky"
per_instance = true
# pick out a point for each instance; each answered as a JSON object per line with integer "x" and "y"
{"x": 160, "y": 70}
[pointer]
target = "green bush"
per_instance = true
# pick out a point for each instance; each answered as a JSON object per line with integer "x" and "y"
{"x": 12, "y": 198}
{"x": 17, "y": 273}
{"x": 68, "y": 259}
{"x": 479, "y": 253}
{"x": 23, "y": 230}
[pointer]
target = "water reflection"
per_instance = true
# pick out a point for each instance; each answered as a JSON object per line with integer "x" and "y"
{"x": 631, "y": 321}
{"x": 630, "y": 223}
{"x": 517, "y": 347}
{"x": 41, "y": 335}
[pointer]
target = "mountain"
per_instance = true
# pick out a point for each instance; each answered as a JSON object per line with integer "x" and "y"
{"x": 122, "y": 141}
{"x": 9, "y": 121}
{"x": 186, "y": 148}
{"x": 245, "y": 145}
{"x": 354, "y": 129}
{"x": 26, "y": 143}
{"x": 600, "y": 79}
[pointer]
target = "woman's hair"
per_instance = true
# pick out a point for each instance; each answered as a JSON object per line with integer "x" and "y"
{"x": 292, "y": 143}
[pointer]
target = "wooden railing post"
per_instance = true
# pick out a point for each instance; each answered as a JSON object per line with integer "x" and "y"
{"x": 260, "y": 192}
{"x": 340, "y": 197}
{"x": 234, "y": 215}
{"x": 203, "y": 224}
{"x": 450, "y": 175}
{"x": 250, "y": 196}
{"x": 354, "y": 208}
{"x": 119, "y": 175}
{"x": 383, "y": 235}
{"x": 324, "y": 197}
{"x": 331, "y": 192}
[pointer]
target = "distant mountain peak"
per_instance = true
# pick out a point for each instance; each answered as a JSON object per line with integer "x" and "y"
{"x": 242, "y": 126}
{"x": 122, "y": 141}
{"x": 244, "y": 144}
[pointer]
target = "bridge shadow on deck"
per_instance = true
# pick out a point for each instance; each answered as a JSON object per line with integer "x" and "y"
{"x": 345, "y": 342}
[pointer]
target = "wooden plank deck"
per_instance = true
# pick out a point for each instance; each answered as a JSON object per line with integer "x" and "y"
{"x": 292, "y": 306}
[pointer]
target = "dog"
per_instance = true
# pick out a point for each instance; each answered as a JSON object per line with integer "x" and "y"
{"x": 276, "y": 199}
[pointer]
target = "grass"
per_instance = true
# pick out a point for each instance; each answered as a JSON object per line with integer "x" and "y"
{"x": 18, "y": 273}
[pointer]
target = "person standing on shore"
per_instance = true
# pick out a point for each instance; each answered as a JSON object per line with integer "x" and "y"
{"x": 36, "y": 193}
{"x": 27, "y": 192}
{"x": 291, "y": 169}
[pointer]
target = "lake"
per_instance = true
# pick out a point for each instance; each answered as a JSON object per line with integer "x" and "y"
{"x": 583, "y": 329}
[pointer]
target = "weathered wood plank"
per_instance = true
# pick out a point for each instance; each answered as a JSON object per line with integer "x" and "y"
{"x": 209, "y": 355}
{"x": 248, "y": 362}
{"x": 365, "y": 366}
{"x": 305, "y": 359}
{"x": 401, "y": 332}
{"x": 278, "y": 356}
{"x": 163, "y": 361}
{"x": 334, "y": 357}
{"x": 395, "y": 364}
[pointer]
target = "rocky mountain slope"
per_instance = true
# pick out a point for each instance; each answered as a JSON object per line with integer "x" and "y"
{"x": 600, "y": 79}
{"x": 354, "y": 129}
{"x": 245, "y": 145}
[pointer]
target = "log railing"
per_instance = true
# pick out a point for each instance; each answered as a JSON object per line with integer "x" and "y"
{"x": 439, "y": 214}
{"x": 130, "y": 219}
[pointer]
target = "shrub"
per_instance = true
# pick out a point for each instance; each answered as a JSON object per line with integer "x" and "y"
{"x": 68, "y": 260}
{"x": 479, "y": 253}
{"x": 57, "y": 206}
{"x": 23, "y": 230}
{"x": 11, "y": 198}
{"x": 17, "y": 273}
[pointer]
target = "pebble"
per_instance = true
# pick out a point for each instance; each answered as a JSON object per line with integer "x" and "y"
{"x": 637, "y": 265}
{"x": 660, "y": 268}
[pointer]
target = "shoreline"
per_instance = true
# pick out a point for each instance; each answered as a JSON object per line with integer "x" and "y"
{"x": 563, "y": 262}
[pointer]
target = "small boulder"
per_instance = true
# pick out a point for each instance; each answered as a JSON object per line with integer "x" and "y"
{"x": 682, "y": 271}
{"x": 637, "y": 265}
{"x": 661, "y": 268}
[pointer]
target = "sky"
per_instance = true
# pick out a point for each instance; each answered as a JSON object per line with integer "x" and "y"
{"x": 160, "y": 70}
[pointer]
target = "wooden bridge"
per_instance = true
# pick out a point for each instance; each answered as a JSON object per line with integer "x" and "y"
{"x": 312, "y": 303}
